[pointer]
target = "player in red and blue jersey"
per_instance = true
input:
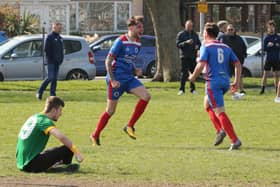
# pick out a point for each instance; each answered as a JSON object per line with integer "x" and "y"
{"x": 121, "y": 71}
{"x": 216, "y": 57}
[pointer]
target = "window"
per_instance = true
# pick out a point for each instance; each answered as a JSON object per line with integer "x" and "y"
{"x": 25, "y": 50}
{"x": 107, "y": 44}
{"x": 233, "y": 15}
{"x": 122, "y": 15}
{"x": 145, "y": 42}
{"x": 96, "y": 16}
{"x": 71, "y": 46}
{"x": 99, "y": 16}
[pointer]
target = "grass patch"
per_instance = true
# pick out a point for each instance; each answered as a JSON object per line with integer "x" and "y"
{"x": 174, "y": 136}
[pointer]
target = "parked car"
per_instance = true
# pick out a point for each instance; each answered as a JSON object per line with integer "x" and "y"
{"x": 250, "y": 40}
{"x": 21, "y": 59}
{"x": 253, "y": 66}
{"x": 3, "y": 36}
{"x": 146, "y": 59}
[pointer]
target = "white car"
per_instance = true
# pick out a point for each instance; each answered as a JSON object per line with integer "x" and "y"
{"x": 21, "y": 59}
{"x": 253, "y": 64}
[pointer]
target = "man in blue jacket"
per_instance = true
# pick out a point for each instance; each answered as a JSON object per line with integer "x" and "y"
{"x": 55, "y": 55}
{"x": 272, "y": 49}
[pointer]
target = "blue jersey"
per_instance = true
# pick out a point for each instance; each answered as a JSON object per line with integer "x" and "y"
{"x": 217, "y": 57}
{"x": 124, "y": 53}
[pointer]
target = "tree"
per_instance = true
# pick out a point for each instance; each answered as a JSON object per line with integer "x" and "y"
{"x": 166, "y": 22}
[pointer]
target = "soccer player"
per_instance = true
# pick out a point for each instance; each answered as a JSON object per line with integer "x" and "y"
{"x": 217, "y": 57}
{"x": 34, "y": 135}
{"x": 121, "y": 71}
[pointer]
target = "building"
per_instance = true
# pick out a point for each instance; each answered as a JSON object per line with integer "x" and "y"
{"x": 246, "y": 15}
{"x": 83, "y": 16}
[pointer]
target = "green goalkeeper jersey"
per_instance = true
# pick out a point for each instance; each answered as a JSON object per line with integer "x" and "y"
{"x": 32, "y": 138}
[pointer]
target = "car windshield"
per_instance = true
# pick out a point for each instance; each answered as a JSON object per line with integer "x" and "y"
{"x": 254, "y": 48}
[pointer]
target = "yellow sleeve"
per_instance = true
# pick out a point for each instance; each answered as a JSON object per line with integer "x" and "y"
{"x": 48, "y": 129}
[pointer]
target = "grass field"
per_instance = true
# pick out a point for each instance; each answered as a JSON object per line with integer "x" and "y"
{"x": 174, "y": 145}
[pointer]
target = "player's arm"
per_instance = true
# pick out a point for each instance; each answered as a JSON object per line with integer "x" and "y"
{"x": 237, "y": 74}
{"x": 67, "y": 142}
{"x": 108, "y": 64}
{"x": 197, "y": 71}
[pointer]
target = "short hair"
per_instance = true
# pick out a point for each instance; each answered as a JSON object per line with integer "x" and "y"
{"x": 134, "y": 20}
{"x": 221, "y": 23}
{"x": 53, "y": 102}
{"x": 271, "y": 22}
{"x": 212, "y": 29}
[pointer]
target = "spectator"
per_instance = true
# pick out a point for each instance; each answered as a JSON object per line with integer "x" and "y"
{"x": 236, "y": 43}
{"x": 188, "y": 43}
{"x": 55, "y": 54}
{"x": 272, "y": 49}
{"x": 222, "y": 28}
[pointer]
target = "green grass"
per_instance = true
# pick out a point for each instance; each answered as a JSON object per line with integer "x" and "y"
{"x": 174, "y": 136}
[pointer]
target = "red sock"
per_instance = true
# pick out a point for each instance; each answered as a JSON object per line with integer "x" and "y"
{"x": 227, "y": 126}
{"x": 138, "y": 111}
{"x": 214, "y": 119}
{"x": 103, "y": 120}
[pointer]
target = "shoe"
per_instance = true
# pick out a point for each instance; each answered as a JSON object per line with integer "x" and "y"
{"x": 262, "y": 90}
{"x": 277, "y": 100}
{"x": 72, "y": 167}
{"x": 235, "y": 145}
{"x": 181, "y": 92}
{"x": 39, "y": 96}
{"x": 130, "y": 131}
{"x": 194, "y": 92}
{"x": 237, "y": 95}
{"x": 219, "y": 138}
{"x": 67, "y": 168}
{"x": 94, "y": 141}
{"x": 243, "y": 91}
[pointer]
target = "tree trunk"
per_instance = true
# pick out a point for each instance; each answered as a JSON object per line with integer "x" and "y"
{"x": 166, "y": 22}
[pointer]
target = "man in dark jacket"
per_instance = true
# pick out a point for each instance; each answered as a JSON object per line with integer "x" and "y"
{"x": 236, "y": 43}
{"x": 272, "y": 49}
{"x": 55, "y": 55}
{"x": 188, "y": 43}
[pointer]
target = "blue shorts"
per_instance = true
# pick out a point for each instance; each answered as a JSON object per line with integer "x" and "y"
{"x": 215, "y": 91}
{"x": 125, "y": 86}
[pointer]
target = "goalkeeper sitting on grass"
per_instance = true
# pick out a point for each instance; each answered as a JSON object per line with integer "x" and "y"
{"x": 34, "y": 135}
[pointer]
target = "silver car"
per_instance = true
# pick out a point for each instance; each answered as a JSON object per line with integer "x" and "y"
{"x": 21, "y": 59}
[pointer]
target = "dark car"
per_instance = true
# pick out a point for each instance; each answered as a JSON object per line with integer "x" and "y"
{"x": 145, "y": 59}
{"x": 3, "y": 36}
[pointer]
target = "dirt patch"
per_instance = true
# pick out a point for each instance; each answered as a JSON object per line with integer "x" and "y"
{"x": 51, "y": 182}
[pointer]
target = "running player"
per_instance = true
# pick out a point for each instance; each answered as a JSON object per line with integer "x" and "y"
{"x": 121, "y": 71}
{"x": 217, "y": 57}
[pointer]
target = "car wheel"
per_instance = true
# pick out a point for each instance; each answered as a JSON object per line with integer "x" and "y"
{"x": 246, "y": 73}
{"x": 1, "y": 77}
{"x": 77, "y": 75}
{"x": 151, "y": 69}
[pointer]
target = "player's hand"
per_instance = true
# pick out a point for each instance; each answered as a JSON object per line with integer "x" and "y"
{"x": 233, "y": 88}
{"x": 191, "y": 77}
{"x": 115, "y": 83}
{"x": 190, "y": 41}
{"x": 79, "y": 157}
{"x": 270, "y": 44}
{"x": 138, "y": 72}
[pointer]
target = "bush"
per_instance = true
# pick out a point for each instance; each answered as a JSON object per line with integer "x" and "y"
{"x": 14, "y": 24}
